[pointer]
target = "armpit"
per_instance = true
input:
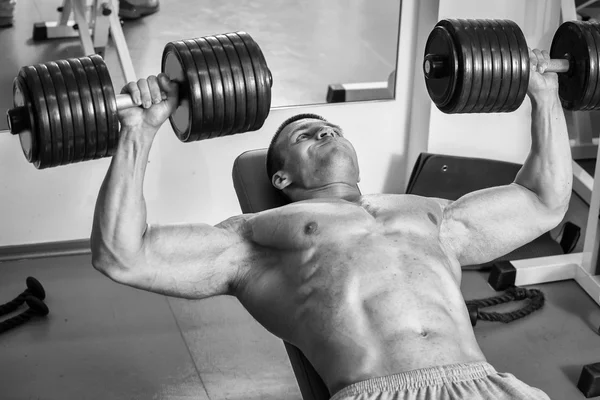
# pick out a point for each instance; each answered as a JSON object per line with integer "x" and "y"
{"x": 240, "y": 224}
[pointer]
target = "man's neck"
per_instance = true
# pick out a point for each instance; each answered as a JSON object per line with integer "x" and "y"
{"x": 340, "y": 191}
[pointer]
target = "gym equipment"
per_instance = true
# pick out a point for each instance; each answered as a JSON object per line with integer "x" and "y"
{"x": 589, "y": 380}
{"x": 474, "y": 66}
{"x": 36, "y": 308}
{"x": 535, "y": 301}
{"x": 94, "y": 23}
{"x": 66, "y": 111}
{"x": 34, "y": 288}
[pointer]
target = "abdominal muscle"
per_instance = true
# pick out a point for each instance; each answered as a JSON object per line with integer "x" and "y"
{"x": 384, "y": 314}
{"x": 370, "y": 305}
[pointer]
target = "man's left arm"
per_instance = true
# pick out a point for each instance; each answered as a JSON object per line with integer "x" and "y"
{"x": 484, "y": 225}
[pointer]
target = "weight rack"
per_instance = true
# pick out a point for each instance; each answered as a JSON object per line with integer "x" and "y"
{"x": 93, "y": 23}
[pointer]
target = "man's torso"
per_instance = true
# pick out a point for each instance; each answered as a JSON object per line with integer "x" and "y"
{"x": 364, "y": 290}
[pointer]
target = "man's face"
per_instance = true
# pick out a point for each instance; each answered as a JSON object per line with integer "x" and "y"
{"x": 316, "y": 154}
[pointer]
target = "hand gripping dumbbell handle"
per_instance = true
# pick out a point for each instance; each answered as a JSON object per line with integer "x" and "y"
{"x": 125, "y": 101}
{"x": 435, "y": 66}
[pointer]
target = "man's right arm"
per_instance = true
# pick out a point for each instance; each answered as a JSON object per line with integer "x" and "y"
{"x": 190, "y": 261}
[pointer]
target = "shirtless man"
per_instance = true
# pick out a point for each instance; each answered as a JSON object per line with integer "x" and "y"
{"x": 366, "y": 286}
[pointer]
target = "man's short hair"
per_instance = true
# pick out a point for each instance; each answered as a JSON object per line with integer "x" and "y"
{"x": 274, "y": 159}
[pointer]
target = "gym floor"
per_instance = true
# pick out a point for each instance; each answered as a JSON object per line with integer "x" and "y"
{"x": 106, "y": 341}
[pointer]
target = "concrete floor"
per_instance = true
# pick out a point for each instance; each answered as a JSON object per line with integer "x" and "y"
{"x": 106, "y": 341}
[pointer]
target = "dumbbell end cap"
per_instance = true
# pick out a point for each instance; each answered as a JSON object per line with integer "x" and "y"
{"x": 17, "y": 120}
{"x": 435, "y": 66}
{"x": 35, "y": 288}
{"x": 37, "y": 305}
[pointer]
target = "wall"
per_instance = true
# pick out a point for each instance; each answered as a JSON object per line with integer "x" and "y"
{"x": 497, "y": 136}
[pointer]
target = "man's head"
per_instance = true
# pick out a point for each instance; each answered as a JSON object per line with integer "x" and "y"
{"x": 308, "y": 155}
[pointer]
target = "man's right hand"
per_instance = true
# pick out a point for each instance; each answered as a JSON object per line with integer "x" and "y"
{"x": 157, "y": 98}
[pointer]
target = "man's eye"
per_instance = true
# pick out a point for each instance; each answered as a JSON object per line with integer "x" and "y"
{"x": 302, "y": 136}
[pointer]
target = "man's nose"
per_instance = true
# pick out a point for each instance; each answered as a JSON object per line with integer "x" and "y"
{"x": 325, "y": 132}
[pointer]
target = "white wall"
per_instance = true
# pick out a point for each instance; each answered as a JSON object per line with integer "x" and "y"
{"x": 496, "y": 136}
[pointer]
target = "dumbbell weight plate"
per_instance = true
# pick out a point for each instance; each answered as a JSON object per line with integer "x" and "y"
{"x": 76, "y": 110}
{"x": 249, "y": 81}
{"x": 228, "y": 86}
{"x": 53, "y": 112}
{"x": 569, "y": 39}
{"x": 27, "y": 137}
{"x": 487, "y": 68}
{"x": 89, "y": 118}
{"x": 586, "y": 30}
{"x": 177, "y": 64}
{"x": 515, "y": 66}
{"x": 506, "y": 75}
{"x": 471, "y": 38}
{"x": 496, "y": 67}
{"x": 42, "y": 120}
{"x": 263, "y": 87}
{"x": 206, "y": 90}
{"x": 217, "y": 86}
{"x": 465, "y": 56}
{"x": 524, "y": 56}
{"x": 595, "y": 99}
{"x": 99, "y": 106}
{"x": 110, "y": 101}
{"x": 66, "y": 120}
{"x": 443, "y": 89}
{"x": 238, "y": 83}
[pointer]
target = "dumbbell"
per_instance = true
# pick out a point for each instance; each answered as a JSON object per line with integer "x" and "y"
{"x": 66, "y": 111}
{"x": 482, "y": 66}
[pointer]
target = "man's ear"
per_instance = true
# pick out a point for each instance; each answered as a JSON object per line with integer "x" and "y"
{"x": 281, "y": 180}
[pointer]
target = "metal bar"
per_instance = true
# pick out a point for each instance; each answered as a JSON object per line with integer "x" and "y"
{"x": 84, "y": 29}
{"x": 101, "y": 24}
{"x": 65, "y": 13}
{"x": 591, "y": 245}
{"x": 558, "y": 65}
{"x": 586, "y": 4}
{"x": 546, "y": 269}
{"x": 568, "y": 12}
{"x": 124, "y": 101}
{"x": 582, "y": 183}
{"x": 120, "y": 43}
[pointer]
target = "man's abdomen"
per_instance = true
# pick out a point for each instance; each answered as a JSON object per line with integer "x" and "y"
{"x": 385, "y": 312}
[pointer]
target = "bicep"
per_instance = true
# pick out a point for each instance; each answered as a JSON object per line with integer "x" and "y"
{"x": 192, "y": 261}
{"x": 486, "y": 224}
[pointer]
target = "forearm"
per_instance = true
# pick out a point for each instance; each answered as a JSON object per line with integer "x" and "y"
{"x": 547, "y": 171}
{"x": 120, "y": 214}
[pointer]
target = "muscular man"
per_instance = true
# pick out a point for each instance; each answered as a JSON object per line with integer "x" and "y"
{"x": 367, "y": 286}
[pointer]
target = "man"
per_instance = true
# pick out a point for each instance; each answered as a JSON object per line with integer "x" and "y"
{"x": 367, "y": 286}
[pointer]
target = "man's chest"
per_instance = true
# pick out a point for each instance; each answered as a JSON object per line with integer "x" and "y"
{"x": 303, "y": 225}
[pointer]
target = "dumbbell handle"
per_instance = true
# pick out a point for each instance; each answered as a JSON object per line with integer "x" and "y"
{"x": 559, "y": 65}
{"x": 435, "y": 66}
{"x": 124, "y": 101}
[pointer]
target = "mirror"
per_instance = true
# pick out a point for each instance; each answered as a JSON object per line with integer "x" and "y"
{"x": 318, "y": 51}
